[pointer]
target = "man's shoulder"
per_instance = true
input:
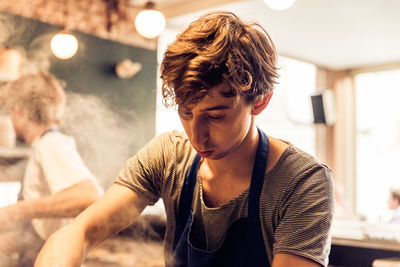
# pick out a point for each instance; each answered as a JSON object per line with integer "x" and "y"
{"x": 301, "y": 159}
{"x": 54, "y": 137}
{"x": 52, "y": 142}
{"x": 174, "y": 140}
{"x": 173, "y": 136}
{"x": 298, "y": 164}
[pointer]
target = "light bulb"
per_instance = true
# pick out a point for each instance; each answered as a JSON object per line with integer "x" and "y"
{"x": 150, "y": 23}
{"x": 279, "y": 4}
{"x": 64, "y": 45}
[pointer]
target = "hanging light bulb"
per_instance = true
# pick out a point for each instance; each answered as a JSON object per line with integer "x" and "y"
{"x": 279, "y": 4}
{"x": 150, "y": 23}
{"x": 64, "y": 45}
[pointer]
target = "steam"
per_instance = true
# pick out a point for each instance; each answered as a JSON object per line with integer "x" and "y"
{"x": 36, "y": 56}
{"x": 104, "y": 138}
{"x": 7, "y": 260}
{"x": 7, "y": 27}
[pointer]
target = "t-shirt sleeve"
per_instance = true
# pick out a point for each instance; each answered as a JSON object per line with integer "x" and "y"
{"x": 306, "y": 216}
{"x": 143, "y": 172}
{"x": 61, "y": 163}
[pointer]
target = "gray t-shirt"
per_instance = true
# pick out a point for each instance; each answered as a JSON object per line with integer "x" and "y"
{"x": 296, "y": 203}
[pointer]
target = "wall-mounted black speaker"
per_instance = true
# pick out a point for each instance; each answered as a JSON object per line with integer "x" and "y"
{"x": 323, "y": 106}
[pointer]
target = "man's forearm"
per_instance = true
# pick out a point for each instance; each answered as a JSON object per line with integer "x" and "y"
{"x": 65, "y": 248}
{"x": 117, "y": 209}
{"x": 67, "y": 203}
{"x": 13, "y": 173}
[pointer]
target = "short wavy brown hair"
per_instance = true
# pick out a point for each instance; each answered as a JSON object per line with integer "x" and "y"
{"x": 40, "y": 95}
{"x": 216, "y": 48}
{"x": 395, "y": 192}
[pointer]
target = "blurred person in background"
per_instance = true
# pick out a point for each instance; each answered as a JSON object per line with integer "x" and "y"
{"x": 233, "y": 195}
{"x": 394, "y": 204}
{"x": 342, "y": 207}
{"x": 56, "y": 185}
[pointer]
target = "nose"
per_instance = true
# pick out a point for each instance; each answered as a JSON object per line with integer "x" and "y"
{"x": 199, "y": 133}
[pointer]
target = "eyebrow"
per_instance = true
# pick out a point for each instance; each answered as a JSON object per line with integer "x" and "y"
{"x": 219, "y": 107}
{"x": 229, "y": 93}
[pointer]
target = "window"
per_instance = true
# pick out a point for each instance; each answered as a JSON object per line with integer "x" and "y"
{"x": 378, "y": 141}
{"x": 167, "y": 119}
{"x": 289, "y": 113}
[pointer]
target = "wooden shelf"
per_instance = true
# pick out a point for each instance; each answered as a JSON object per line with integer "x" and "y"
{"x": 14, "y": 152}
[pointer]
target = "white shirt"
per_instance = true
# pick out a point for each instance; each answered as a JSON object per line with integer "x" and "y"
{"x": 54, "y": 165}
{"x": 396, "y": 215}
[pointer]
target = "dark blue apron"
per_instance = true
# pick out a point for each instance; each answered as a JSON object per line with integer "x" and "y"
{"x": 243, "y": 244}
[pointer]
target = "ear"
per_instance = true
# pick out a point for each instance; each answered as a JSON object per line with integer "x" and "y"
{"x": 259, "y": 106}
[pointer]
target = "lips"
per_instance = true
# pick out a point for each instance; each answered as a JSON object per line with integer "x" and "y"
{"x": 204, "y": 154}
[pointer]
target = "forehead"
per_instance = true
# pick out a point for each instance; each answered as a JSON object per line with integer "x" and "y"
{"x": 218, "y": 95}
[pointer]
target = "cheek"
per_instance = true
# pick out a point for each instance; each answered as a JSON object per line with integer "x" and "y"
{"x": 391, "y": 203}
{"x": 243, "y": 120}
{"x": 236, "y": 130}
{"x": 185, "y": 126}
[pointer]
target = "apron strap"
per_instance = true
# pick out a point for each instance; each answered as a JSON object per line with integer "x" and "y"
{"x": 254, "y": 238}
{"x": 185, "y": 202}
{"x": 257, "y": 178}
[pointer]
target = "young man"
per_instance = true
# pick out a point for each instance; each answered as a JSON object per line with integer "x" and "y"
{"x": 56, "y": 184}
{"x": 394, "y": 204}
{"x": 233, "y": 196}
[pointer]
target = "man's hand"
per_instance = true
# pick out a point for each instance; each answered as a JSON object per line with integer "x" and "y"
{"x": 8, "y": 219}
{"x": 114, "y": 211}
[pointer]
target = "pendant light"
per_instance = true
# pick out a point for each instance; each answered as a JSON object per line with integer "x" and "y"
{"x": 150, "y": 23}
{"x": 64, "y": 44}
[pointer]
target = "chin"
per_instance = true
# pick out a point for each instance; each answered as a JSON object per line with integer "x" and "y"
{"x": 218, "y": 156}
{"x": 20, "y": 139}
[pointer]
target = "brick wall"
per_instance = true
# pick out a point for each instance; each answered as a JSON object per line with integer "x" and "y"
{"x": 108, "y": 19}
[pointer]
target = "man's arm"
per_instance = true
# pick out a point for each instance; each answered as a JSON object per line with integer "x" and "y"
{"x": 284, "y": 260}
{"x": 12, "y": 172}
{"x": 113, "y": 212}
{"x": 66, "y": 203}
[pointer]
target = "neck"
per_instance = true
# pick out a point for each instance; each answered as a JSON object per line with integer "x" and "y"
{"x": 35, "y": 130}
{"x": 236, "y": 164}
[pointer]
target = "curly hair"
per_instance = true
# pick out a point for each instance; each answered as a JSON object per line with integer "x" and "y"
{"x": 40, "y": 95}
{"x": 216, "y": 48}
{"x": 395, "y": 192}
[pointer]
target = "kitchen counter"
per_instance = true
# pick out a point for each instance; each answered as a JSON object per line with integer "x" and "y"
{"x": 12, "y": 163}
{"x": 124, "y": 252}
{"x": 381, "y": 244}
{"x": 141, "y": 244}
{"x": 357, "y": 243}
{"x": 14, "y": 152}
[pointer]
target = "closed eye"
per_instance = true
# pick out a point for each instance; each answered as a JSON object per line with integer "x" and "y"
{"x": 215, "y": 117}
{"x": 185, "y": 114}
